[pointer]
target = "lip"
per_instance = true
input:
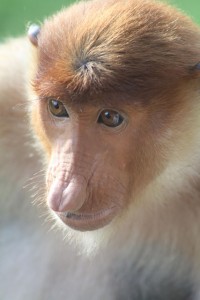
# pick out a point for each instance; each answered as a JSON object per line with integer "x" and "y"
{"x": 87, "y": 221}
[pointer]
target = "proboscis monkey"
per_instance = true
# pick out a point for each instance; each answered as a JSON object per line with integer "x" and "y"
{"x": 111, "y": 89}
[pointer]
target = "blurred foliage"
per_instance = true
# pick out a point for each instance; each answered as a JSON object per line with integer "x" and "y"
{"x": 190, "y": 7}
{"x": 15, "y": 15}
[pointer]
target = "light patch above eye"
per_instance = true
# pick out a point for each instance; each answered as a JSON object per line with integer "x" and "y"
{"x": 110, "y": 118}
{"x": 57, "y": 109}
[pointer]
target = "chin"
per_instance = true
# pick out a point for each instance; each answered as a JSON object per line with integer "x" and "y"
{"x": 89, "y": 238}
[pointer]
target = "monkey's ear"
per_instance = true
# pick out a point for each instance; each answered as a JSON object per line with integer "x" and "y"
{"x": 33, "y": 32}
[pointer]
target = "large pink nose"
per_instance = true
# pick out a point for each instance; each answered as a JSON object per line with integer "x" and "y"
{"x": 70, "y": 197}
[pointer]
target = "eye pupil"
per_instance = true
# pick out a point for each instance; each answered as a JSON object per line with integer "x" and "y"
{"x": 107, "y": 115}
{"x": 57, "y": 109}
{"x": 55, "y": 104}
{"x": 110, "y": 118}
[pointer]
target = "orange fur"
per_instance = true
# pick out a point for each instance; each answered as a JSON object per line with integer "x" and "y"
{"x": 93, "y": 46}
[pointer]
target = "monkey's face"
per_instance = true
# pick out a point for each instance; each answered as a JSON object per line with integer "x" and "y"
{"x": 100, "y": 157}
{"x": 108, "y": 84}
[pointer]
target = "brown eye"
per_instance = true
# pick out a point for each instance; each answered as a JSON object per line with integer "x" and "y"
{"x": 110, "y": 118}
{"x": 57, "y": 109}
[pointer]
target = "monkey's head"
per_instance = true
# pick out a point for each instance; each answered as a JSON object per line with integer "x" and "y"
{"x": 113, "y": 86}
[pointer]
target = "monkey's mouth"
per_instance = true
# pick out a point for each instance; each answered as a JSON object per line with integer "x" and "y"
{"x": 88, "y": 221}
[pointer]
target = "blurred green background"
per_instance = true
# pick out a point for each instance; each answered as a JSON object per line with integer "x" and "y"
{"x": 16, "y": 14}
